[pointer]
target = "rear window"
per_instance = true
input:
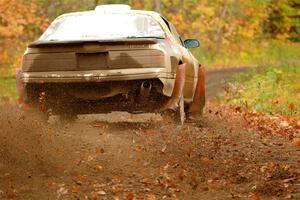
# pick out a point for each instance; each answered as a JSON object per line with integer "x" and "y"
{"x": 100, "y": 26}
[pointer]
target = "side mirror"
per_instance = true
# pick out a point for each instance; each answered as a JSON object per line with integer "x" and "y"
{"x": 191, "y": 43}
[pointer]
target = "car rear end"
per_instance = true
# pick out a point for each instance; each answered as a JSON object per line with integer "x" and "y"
{"x": 100, "y": 74}
{"x": 94, "y": 72}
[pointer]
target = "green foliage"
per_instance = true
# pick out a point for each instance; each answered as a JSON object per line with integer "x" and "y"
{"x": 8, "y": 88}
{"x": 276, "y": 90}
{"x": 284, "y": 19}
{"x": 252, "y": 53}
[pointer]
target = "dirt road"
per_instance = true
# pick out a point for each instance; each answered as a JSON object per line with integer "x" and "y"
{"x": 123, "y": 156}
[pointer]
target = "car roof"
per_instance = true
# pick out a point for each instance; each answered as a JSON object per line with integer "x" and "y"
{"x": 145, "y": 12}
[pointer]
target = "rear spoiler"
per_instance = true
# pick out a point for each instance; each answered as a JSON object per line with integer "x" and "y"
{"x": 126, "y": 41}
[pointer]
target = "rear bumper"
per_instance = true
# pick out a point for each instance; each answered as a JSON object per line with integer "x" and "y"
{"x": 94, "y": 75}
{"x": 167, "y": 78}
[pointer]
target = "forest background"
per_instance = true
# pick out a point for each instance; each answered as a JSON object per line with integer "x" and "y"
{"x": 233, "y": 33}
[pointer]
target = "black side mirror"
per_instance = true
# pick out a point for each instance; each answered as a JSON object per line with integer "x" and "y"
{"x": 191, "y": 43}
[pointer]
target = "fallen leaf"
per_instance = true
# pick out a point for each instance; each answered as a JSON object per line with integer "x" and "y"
{"x": 212, "y": 184}
{"x": 151, "y": 197}
{"x": 11, "y": 193}
{"x": 164, "y": 149}
{"x": 101, "y": 192}
{"x": 79, "y": 179}
{"x": 182, "y": 174}
{"x": 138, "y": 148}
{"x": 130, "y": 196}
{"x": 94, "y": 196}
{"x": 99, "y": 125}
{"x": 166, "y": 166}
{"x": 296, "y": 142}
{"x": 74, "y": 189}
{"x": 292, "y": 106}
{"x": 205, "y": 160}
{"x": 101, "y": 150}
{"x": 24, "y": 188}
{"x": 238, "y": 109}
{"x": 61, "y": 191}
{"x": 89, "y": 158}
{"x": 255, "y": 197}
{"x": 99, "y": 168}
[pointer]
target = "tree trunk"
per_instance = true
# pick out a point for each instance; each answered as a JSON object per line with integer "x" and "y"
{"x": 96, "y": 3}
{"x": 157, "y": 5}
{"x": 219, "y": 33}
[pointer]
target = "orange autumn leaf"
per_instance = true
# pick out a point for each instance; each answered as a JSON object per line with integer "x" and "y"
{"x": 296, "y": 142}
{"x": 130, "y": 196}
{"x": 74, "y": 189}
{"x": 292, "y": 106}
{"x": 255, "y": 197}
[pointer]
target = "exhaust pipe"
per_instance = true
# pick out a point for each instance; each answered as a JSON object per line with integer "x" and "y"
{"x": 145, "y": 90}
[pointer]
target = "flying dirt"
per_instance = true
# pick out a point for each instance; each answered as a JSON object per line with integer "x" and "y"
{"x": 145, "y": 156}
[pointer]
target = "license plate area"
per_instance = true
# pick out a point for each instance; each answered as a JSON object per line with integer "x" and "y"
{"x": 92, "y": 61}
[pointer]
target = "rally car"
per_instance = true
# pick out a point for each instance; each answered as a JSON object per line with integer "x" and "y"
{"x": 109, "y": 59}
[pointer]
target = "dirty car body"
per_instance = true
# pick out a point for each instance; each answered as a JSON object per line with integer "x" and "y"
{"x": 109, "y": 60}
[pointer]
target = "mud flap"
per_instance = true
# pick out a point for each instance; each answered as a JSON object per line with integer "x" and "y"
{"x": 173, "y": 102}
{"x": 199, "y": 97}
